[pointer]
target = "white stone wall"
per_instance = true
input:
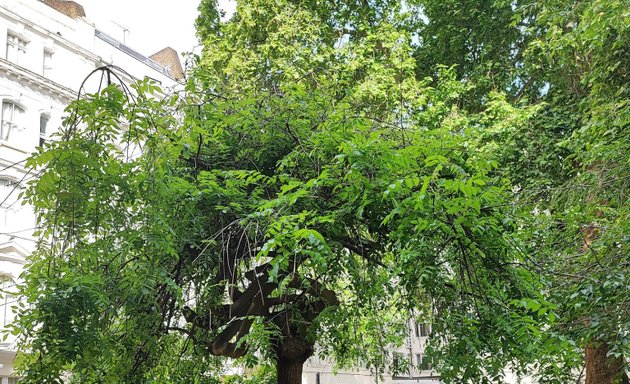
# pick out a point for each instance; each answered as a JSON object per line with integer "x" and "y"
{"x": 76, "y": 51}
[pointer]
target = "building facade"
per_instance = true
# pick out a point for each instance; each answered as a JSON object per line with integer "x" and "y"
{"x": 47, "y": 48}
{"x": 409, "y": 366}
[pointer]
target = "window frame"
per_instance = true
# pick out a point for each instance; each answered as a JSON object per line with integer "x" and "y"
{"x": 43, "y": 133}
{"x": 421, "y": 363}
{"x": 7, "y": 125}
{"x": 7, "y": 299}
{"x": 47, "y": 65}
{"x": 13, "y": 187}
{"x": 423, "y": 329}
{"x": 16, "y": 43}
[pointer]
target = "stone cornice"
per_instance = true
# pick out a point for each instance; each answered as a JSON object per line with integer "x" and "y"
{"x": 13, "y": 252}
{"x": 38, "y": 82}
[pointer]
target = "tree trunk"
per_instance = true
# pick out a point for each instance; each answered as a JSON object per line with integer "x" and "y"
{"x": 289, "y": 371}
{"x": 601, "y": 369}
{"x": 291, "y": 353}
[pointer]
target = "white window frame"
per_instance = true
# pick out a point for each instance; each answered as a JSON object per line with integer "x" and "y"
{"x": 43, "y": 133}
{"x": 15, "y": 49}
{"x": 9, "y": 192}
{"x": 47, "y": 65}
{"x": 7, "y": 299}
{"x": 423, "y": 329}
{"x": 8, "y": 124}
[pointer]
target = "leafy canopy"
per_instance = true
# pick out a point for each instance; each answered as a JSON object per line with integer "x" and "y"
{"x": 311, "y": 189}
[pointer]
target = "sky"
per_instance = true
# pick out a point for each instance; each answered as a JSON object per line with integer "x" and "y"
{"x": 152, "y": 24}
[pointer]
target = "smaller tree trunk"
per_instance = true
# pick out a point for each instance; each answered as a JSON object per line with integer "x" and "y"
{"x": 601, "y": 369}
{"x": 289, "y": 371}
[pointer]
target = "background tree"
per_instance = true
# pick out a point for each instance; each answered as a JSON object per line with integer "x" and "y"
{"x": 562, "y": 66}
{"x": 569, "y": 160}
{"x": 484, "y": 40}
{"x": 586, "y": 47}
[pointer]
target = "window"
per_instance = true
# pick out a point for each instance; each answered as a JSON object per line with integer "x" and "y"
{"x": 12, "y": 116}
{"x": 422, "y": 330}
{"x": 43, "y": 124}
{"x": 7, "y": 183}
{"x": 47, "y": 65}
{"x": 9, "y": 192}
{"x": 16, "y": 49}
{"x": 7, "y": 300}
{"x": 10, "y": 204}
{"x": 422, "y": 363}
{"x": 400, "y": 364}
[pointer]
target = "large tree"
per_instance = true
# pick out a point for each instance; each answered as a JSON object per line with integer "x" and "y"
{"x": 322, "y": 177}
{"x": 305, "y": 188}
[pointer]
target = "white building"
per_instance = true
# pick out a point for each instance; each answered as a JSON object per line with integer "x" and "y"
{"x": 410, "y": 358}
{"x": 47, "y": 48}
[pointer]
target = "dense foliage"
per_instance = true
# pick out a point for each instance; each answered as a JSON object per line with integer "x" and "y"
{"x": 323, "y": 177}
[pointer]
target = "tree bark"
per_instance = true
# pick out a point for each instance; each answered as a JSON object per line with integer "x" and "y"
{"x": 601, "y": 369}
{"x": 289, "y": 371}
{"x": 291, "y": 353}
